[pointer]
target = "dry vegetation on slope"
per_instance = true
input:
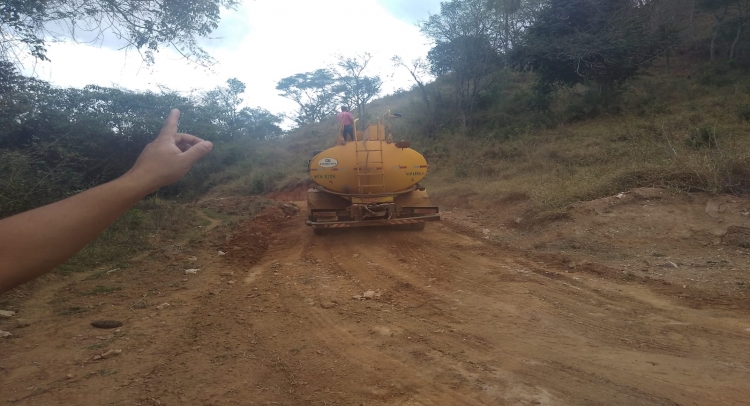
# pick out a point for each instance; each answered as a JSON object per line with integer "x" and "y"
{"x": 682, "y": 130}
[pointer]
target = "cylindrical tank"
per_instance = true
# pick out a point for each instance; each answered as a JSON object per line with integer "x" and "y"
{"x": 368, "y": 167}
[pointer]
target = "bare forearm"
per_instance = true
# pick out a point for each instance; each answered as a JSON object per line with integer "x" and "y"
{"x": 36, "y": 241}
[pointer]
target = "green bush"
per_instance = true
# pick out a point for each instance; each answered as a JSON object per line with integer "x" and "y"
{"x": 701, "y": 137}
{"x": 257, "y": 186}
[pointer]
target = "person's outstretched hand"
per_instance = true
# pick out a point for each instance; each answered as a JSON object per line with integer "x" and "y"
{"x": 169, "y": 157}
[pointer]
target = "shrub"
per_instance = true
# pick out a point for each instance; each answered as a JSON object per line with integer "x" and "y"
{"x": 701, "y": 137}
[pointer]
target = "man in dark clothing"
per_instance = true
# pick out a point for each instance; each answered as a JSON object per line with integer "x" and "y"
{"x": 346, "y": 123}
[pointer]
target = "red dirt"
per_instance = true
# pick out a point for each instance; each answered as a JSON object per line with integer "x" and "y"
{"x": 560, "y": 315}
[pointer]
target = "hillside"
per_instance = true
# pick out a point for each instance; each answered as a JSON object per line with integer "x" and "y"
{"x": 594, "y": 245}
{"x": 683, "y": 131}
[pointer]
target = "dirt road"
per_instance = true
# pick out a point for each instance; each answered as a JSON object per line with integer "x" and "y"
{"x": 375, "y": 317}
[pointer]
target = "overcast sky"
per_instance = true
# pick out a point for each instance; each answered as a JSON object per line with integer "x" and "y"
{"x": 261, "y": 42}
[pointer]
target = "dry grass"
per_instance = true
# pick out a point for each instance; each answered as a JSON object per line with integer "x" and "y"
{"x": 150, "y": 220}
{"x": 678, "y": 132}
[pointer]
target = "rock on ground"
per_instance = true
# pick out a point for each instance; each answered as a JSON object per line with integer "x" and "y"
{"x": 106, "y": 323}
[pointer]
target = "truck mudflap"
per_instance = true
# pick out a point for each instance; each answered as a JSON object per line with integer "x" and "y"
{"x": 365, "y": 223}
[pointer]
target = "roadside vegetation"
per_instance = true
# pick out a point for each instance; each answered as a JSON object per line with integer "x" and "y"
{"x": 674, "y": 130}
{"x": 151, "y": 222}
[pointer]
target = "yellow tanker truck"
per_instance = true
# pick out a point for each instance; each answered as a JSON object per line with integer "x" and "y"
{"x": 371, "y": 181}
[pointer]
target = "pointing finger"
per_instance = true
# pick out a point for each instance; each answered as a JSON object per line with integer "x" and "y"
{"x": 170, "y": 125}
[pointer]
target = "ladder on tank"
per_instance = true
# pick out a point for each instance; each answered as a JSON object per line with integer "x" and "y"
{"x": 369, "y": 180}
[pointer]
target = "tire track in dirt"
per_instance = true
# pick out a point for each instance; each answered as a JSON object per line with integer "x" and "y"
{"x": 457, "y": 320}
{"x": 461, "y": 322}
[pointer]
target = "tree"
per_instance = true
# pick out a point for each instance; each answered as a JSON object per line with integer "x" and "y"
{"x": 419, "y": 71}
{"x": 57, "y": 141}
{"x": 356, "y": 88}
{"x": 60, "y": 141}
{"x": 602, "y": 41}
{"x": 316, "y": 93}
{"x": 463, "y": 19}
{"x": 18, "y": 96}
{"x": 501, "y": 22}
{"x": 258, "y": 123}
{"x": 730, "y": 16}
{"x": 26, "y": 26}
{"x": 221, "y": 107}
{"x": 468, "y": 40}
{"x": 505, "y": 9}
{"x": 512, "y": 17}
{"x": 224, "y": 104}
{"x": 468, "y": 60}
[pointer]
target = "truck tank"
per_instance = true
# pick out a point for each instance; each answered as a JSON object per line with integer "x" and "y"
{"x": 371, "y": 181}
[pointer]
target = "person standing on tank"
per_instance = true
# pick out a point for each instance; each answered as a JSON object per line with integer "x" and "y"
{"x": 346, "y": 123}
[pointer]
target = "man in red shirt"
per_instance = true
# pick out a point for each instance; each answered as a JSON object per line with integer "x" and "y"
{"x": 346, "y": 123}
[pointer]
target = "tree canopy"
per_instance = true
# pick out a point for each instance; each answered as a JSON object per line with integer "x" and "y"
{"x": 319, "y": 93}
{"x": 468, "y": 41}
{"x": 604, "y": 41}
{"x": 730, "y": 18}
{"x": 356, "y": 88}
{"x": 27, "y": 26}
{"x": 316, "y": 93}
{"x": 55, "y": 142}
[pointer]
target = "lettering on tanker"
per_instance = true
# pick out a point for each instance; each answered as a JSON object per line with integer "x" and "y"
{"x": 328, "y": 163}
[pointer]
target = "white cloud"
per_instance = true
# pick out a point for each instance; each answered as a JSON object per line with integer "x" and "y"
{"x": 412, "y": 11}
{"x": 263, "y": 41}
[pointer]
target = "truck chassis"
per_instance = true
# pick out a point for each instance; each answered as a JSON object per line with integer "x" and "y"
{"x": 328, "y": 209}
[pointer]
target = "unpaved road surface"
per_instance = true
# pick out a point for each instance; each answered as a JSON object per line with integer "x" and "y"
{"x": 447, "y": 318}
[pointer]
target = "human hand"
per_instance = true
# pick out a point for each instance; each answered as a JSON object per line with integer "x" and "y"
{"x": 169, "y": 157}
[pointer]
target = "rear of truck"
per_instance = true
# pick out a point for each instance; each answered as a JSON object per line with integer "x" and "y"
{"x": 371, "y": 181}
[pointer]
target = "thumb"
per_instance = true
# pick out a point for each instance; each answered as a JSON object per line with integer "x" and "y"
{"x": 198, "y": 151}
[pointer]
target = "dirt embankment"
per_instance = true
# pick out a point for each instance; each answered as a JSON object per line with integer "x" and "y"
{"x": 624, "y": 303}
